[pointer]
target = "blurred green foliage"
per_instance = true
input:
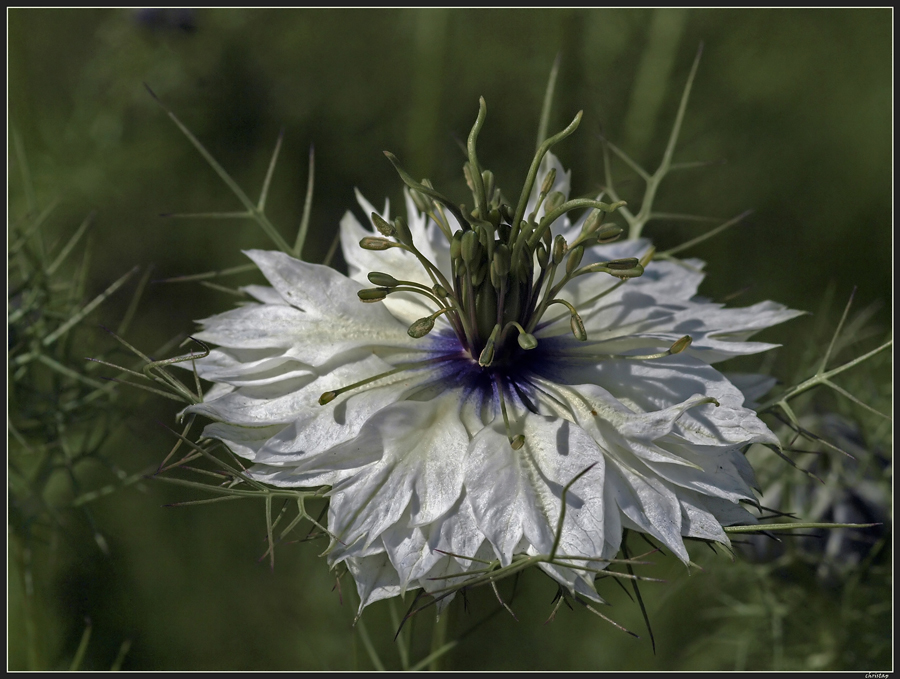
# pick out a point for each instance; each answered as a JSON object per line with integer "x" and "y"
{"x": 798, "y": 102}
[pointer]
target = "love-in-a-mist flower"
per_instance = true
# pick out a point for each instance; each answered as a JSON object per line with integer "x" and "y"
{"x": 502, "y": 352}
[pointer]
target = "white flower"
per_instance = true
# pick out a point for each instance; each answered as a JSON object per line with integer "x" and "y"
{"x": 447, "y": 429}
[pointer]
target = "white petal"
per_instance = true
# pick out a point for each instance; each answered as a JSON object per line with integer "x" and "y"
{"x": 289, "y": 477}
{"x": 401, "y": 264}
{"x": 375, "y": 579}
{"x": 264, "y": 294}
{"x": 243, "y": 441}
{"x": 240, "y": 368}
{"x": 650, "y": 505}
{"x": 646, "y": 386}
{"x": 716, "y": 471}
{"x": 422, "y": 447}
{"x": 752, "y": 386}
{"x": 519, "y": 492}
{"x": 415, "y": 551}
{"x": 326, "y": 318}
{"x": 307, "y": 427}
{"x": 661, "y": 305}
{"x": 697, "y": 522}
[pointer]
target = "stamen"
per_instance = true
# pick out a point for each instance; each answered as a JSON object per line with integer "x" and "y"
{"x": 370, "y": 295}
{"x": 515, "y": 442}
{"x": 549, "y": 181}
{"x": 620, "y": 268}
{"x": 383, "y": 280}
{"x": 551, "y": 216}
{"x": 677, "y": 347}
{"x": 410, "y": 286}
{"x": 423, "y": 326}
{"x": 487, "y": 354}
{"x": 402, "y": 232}
{"x": 385, "y": 228}
{"x": 329, "y": 396}
{"x": 575, "y": 320}
{"x": 526, "y": 340}
{"x": 375, "y": 243}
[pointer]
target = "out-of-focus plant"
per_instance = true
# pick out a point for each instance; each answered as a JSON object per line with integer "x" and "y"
{"x": 61, "y": 416}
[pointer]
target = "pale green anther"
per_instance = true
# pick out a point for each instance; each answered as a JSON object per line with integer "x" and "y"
{"x": 487, "y": 178}
{"x": 487, "y": 354}
{"x": 525, "y": 229}
{"x": 574, "y": 259}
{"x": 384, "y": 280}
{"x": 419, "y": 200}
{"x": 385, "y": 228}
{"x": 608, "y": 233}
{"x": 636, "y": 272}
{"x": 517, "y": 442}
{"x": 559, "y": 248}
{"x": 494, "y": 217}
{"x": 554, "y": 200}
{"x": 469, "y": 248}
{"x": 421, "y": 327}
{"x": 593, "y": 222}
{"x": 621, "y": 268}
{"x": 549, "y": 181}
{"x": 327, "y": 397}
{"x": 578, "y": 327}
{"x": 375, "y": 243}
{"x": 496, "y": 277}
{"x": 456, "y": 246}
{"x": 622, "y": 264}
{"x": 681, "y": 345}
{"x": 543, "y": 256}
{"x": 402, "y": 232}
{"x": 372, "y": 294}
{"x": 527, "y": 341}
{"x": 439, "y": 291}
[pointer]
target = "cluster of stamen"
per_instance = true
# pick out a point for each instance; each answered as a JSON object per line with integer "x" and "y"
{"x": 495, "y": 293}
{"x": 507, "y": 268}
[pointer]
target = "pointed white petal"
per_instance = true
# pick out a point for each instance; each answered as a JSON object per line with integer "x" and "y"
{"x": 650, "y": 505}
{"x": 517, "y": 493}
{"x": 422, "y": 446}
{"x": 375, "y": 578}
{"x": 312, "y": 337}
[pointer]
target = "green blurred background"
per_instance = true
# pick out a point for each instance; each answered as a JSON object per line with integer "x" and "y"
{"x": 796, "y": 103}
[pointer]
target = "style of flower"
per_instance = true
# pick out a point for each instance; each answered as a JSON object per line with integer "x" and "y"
{"x": 492, "y": 364}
